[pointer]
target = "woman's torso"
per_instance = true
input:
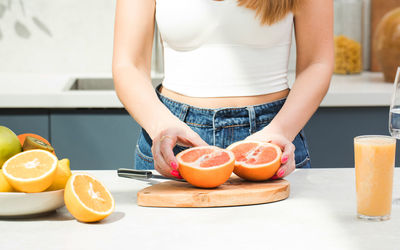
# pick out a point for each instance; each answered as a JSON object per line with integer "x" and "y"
{"x": 220, "y": 52}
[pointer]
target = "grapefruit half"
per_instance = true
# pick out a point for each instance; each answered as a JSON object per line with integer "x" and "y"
{"x": 206, "y": 166}
{"x": 254, "y": 160}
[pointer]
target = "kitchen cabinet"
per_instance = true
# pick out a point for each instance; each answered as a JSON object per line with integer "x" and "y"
{"x": 330, "y": 133}
{"x": 94, "y": 139}
{"x": 106, "y": 138}
{"x": 26, "y": 121}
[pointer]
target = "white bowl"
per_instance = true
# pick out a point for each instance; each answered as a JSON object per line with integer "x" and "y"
{"x": 25, "y": 204}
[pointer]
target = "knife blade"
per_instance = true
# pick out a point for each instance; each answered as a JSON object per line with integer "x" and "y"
{"x": 142, "y": 175}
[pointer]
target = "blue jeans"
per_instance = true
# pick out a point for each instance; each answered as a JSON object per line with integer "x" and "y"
{"x": 221, "y": 127}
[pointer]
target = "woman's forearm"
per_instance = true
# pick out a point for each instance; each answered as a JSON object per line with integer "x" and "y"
{"x": 309, "y": 89}
{"x": 136, "y": 93}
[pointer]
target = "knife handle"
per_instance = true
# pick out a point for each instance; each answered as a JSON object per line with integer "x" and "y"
{"x": 134, "y": 174}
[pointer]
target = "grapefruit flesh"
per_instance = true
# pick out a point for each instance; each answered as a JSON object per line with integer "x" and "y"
{"x": 207, "y": 166}
{"x": 256, "y": 161}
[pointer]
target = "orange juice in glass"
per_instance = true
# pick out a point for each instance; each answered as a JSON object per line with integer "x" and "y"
{"x": 374, "y": 157}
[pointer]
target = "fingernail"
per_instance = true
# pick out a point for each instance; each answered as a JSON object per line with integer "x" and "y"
{"x": 281, "y": 173}
{"x": 174, "y": 166}
{"x": 176, "y": 174}
{"x": 284, "y": 159}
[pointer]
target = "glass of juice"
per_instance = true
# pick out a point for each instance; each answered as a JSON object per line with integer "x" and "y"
{"x": 374, "y": 157}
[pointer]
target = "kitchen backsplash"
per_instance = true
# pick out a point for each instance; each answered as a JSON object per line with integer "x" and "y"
{"x": 70, "y": 36}
{"x": 59, "y": 36}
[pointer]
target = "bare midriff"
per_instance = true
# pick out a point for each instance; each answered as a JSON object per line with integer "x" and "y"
{"x": 220, "y": 102}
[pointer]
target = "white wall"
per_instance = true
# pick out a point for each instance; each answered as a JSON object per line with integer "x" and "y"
{"x": 56, "y": 36}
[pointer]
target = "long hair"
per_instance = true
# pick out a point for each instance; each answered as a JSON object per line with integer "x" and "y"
{"x": 270, "y": 11}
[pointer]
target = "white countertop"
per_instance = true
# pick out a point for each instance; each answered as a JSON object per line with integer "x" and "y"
{"x": 319, "y": 214}
{"x": 51, "y": 91}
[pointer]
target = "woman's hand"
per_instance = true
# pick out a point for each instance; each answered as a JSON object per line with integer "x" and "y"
{"x": 287, "y": 159}
{"x": 178, "y": 133}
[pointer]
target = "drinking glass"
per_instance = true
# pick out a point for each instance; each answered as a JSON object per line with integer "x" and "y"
{"x": 374, "y": 163}
{"x": 394, "y": 114}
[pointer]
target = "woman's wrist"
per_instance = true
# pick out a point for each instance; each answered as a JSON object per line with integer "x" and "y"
{"x": 161, "y": 123}
{"x": 273, "y": 128}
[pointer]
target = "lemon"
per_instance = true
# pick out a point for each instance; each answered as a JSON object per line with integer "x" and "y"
{"x": 4, "y": 185}
{"x": 63, "y": 173}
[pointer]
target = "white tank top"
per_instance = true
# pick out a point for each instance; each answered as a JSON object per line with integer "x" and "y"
{"x": 218, "y": 49}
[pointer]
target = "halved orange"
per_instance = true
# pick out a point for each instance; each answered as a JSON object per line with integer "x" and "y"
{"x": 206, "y": 166}
{"x": 256, "y": 161}
{"x": 87, "y": 199}
{"x": 31, "y": 171}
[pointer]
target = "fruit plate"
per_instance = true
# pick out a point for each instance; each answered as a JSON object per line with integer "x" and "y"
{"x": 29, "y": 204}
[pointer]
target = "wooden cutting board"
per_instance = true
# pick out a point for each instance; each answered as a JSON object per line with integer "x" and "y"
{"x": 378, "y": 9}
{"x": 234, "y": 192}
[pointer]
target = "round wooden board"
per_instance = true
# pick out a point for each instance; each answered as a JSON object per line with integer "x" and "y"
{"x": 234, "y": 192}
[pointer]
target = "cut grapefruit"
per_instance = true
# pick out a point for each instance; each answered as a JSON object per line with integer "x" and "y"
{"x": 87, "y": 199}
{"x": 256, "y": 161}
{"x": 31, "y": 171}
{"x": 206, "y": 166}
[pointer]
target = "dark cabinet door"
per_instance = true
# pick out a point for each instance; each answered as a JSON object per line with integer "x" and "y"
{"x": 26, "y": 121}
{"x": 94, "y": 139}
{"x": 330, "y": 133}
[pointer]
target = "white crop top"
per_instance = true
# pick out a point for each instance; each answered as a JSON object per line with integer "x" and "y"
{"x": 218, "y": 49}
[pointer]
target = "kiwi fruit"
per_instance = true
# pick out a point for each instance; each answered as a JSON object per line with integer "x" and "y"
{"x": 33, "y": 143}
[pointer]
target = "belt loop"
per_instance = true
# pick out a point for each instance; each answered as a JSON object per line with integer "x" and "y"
{"x": 214, "y": 127}
{"x": 184, "y": 112}
{"x": 252, "y": 119}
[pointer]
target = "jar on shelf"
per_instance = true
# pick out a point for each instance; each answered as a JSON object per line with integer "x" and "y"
{"x": 348, "y": 35}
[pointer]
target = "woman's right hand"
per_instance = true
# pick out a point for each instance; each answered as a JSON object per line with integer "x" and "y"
{"x": 177, "y": 133}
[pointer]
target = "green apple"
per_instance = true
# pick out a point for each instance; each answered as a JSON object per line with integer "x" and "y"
{"x": 9, "y": 144}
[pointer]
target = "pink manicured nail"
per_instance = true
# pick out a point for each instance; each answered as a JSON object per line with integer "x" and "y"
{"x": 176, "y": 174}
{"x": 280, "y": 173}
{"x": 284, "y": 159}
{"x": 174, "y": 166}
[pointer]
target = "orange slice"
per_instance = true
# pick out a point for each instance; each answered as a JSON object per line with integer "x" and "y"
{"x": 256, "y": 161}
{"x": 206, "y": 166}
{"x": 31, "y": 171}
{"x": 87, "y": 199}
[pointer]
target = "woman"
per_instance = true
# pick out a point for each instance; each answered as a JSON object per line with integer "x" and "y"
{"x": 225, "y": 65}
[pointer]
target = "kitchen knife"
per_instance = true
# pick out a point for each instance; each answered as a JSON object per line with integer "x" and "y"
{"x": 142, "y": 175}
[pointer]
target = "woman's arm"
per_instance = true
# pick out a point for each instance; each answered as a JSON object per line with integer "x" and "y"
{"x": 131, "y": 67}
{"x": 314, "y": 67}
{"x": 314, "y": 41}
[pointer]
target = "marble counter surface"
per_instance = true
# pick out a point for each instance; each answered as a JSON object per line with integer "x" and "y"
{"x": 319, "y": 214}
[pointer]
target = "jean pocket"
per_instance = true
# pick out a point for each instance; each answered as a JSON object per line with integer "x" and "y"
{"x": 302, "y": 155}
{"x": 143, "y": 155}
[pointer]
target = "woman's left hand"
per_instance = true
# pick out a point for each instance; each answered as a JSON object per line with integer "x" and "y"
{"x": 287, "y": 159}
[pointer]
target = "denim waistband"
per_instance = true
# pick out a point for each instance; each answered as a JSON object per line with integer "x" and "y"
{"x": 220, "y": 117}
